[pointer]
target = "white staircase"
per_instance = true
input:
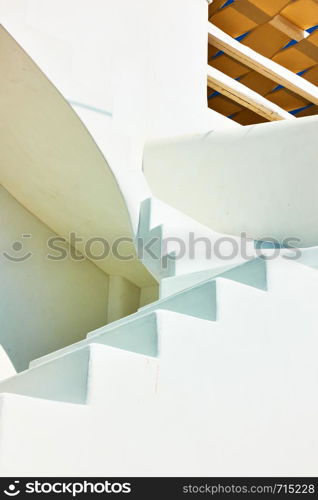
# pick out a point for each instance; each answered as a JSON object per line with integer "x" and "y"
{"x": 218, "y": 374}
{"x": 171, "y": 244}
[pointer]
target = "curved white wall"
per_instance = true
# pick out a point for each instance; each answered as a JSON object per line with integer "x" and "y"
{"x": 136, "y": 67}
{"x": 260, "y": 179}
{"x": 52, "y": 166}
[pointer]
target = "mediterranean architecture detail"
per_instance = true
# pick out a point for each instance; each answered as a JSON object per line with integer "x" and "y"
{"x": 159, "y": 241}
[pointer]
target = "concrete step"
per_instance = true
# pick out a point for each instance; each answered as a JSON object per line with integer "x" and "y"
{"x": 208, "y": 374}
{"x": 86, "y": 376}
{"x": 139, "y": 331}
{"x": 251, "y": 272}
{"x": 181, "y": 245}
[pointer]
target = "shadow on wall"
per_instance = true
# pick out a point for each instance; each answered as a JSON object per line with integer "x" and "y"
{"x": 46, "y": 304}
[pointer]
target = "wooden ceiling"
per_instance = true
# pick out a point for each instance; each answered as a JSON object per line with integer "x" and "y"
{"x": 285, "y": 31}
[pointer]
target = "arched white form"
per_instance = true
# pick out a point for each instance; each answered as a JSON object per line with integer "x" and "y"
{"x": 156, "y": 89}
{"x": 261, "y": 179}
{"x": 52, "y": 166}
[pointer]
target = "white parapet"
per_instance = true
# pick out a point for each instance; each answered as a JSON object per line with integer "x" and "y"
{"x": 259, "y": 179}
{"x": 53, "y": 167}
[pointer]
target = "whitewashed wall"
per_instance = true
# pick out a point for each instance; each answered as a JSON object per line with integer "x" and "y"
{"x": 138, "y": 67}
{"x": 44, "y": 304}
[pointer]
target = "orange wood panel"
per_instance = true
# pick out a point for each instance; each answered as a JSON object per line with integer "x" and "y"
{"x": 224, "y": 105}
{"x": 266, "y": 40}
{"x": 229, "y": 66}
{"x": 258, "y": 82}
{"x": 312, "y": 75}
{"x": 254, "y": 16}
{"x": 286, "y": 99}
{"x": 249, "y": 10}
{"x": 248, "y": 117}
{"x": 214, "y": 6}
{"x": 271, "y": 7}
{"x": 232, "y": 22}
{"x": 294, "y": 59}
{"x": 313, "y": 110}
{"x": 211, "y": 51}
{"x": 303, "y": 13}
{"x": 313, "y": 38}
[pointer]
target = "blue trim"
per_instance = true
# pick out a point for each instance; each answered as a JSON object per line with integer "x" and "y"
{"x": 298, "y": 110}
{"x": 227, "y": 3}
{"x": 278, "y": 87}
{"x": 289, "y": 44}
{"x": 241, "y": 37}
{"x": 238, "y": 38}
{"x": 214, "y": 94}
{"x": 219, "y": 53}
{"x": 293, "y": 42}
{"x": 312, "y": 29}
{"x": 300, "y": 73}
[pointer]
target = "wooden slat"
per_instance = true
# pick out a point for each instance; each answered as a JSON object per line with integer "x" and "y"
{"x": 290, "y": 29}
{"x": 245, "y": 96}
{"x": 263, "y": 65}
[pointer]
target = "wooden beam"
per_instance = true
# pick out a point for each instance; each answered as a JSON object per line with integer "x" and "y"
{"x": 262, "y": 64}
{"x": 245, "y": 96}
{"x": 290, "y": 29}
